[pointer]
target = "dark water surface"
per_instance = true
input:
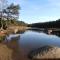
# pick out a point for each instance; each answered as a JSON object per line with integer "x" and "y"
{"x": 30, "y": 40}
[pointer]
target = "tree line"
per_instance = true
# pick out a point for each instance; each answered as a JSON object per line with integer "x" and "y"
{"x": 51, "y": 24}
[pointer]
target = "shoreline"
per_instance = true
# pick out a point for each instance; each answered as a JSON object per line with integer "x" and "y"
{"x": 12, "y": 51}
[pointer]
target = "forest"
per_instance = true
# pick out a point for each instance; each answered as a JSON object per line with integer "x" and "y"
{"x": 51, "y": 24}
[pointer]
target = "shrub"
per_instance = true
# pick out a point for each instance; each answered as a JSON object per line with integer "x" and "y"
{"x": 2, "y": 38}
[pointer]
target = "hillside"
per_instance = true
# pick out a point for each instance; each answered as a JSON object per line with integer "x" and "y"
{"x": 51, "y": 24}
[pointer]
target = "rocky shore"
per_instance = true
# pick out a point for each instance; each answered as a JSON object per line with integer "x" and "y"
{"x": 11, "y": 51}
{"x": 46, "y": 52}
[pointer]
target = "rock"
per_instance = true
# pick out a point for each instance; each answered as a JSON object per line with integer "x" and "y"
{"x": 46, "y": 52}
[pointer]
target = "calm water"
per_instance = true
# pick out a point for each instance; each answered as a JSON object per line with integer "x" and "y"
{"x": 30, "y": 40}
{"x": 33, "y": 39}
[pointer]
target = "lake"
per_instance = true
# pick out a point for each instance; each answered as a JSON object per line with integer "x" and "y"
{"x": 31, "y": 40}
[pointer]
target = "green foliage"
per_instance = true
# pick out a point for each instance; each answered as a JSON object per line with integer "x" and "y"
{"x": 2, "y": 38}
{"x": 13, "y": 11}
{"x": 21, "y": 23}
{"x": 14, "y": 8}
{"x": 9, "y": 15}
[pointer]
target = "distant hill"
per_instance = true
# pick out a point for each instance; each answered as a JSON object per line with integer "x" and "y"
{"x": 51, "y": 24}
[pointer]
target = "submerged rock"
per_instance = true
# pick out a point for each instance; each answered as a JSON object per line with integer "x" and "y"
{"x": 45, "y": 52}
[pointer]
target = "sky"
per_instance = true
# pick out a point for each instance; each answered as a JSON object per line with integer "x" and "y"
{"x": 34, "y": 11}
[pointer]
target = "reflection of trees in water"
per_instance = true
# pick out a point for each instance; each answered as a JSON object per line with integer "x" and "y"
{"x": 13, "y": 36}
{"x": 21, "y": 32}
{"x": 56, "y": 33}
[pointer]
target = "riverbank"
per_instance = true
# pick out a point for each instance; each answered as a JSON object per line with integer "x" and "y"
{"x": 11, "y": 51}
{"x": 5, "y": 53}
{"x": 12, "y": 30}
{"x": 15, "y": 51}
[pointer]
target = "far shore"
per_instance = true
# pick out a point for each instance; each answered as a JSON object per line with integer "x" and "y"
{"x": 12, "y": 29}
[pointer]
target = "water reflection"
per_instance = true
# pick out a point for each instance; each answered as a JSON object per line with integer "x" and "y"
{"x": 35, "y": 39}
{"x": 32, "y": 39}
{"x": 57, "y": 33}
{"x": 28, "y": 41}
{"x": 18, "y": 53}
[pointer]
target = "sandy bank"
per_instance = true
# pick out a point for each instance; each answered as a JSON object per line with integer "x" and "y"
{"x": 5, "y": 53}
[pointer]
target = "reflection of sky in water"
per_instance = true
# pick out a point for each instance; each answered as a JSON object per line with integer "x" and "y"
{"x": 32, "y": 39}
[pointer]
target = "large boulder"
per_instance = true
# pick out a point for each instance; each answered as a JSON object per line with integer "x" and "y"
{"x": 45, "y": 52}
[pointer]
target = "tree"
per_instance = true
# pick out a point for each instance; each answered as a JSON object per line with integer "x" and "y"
{"x": 3, "y": 5}
{"x": 13, "y": 12}
{"x": 8, "y": 12}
